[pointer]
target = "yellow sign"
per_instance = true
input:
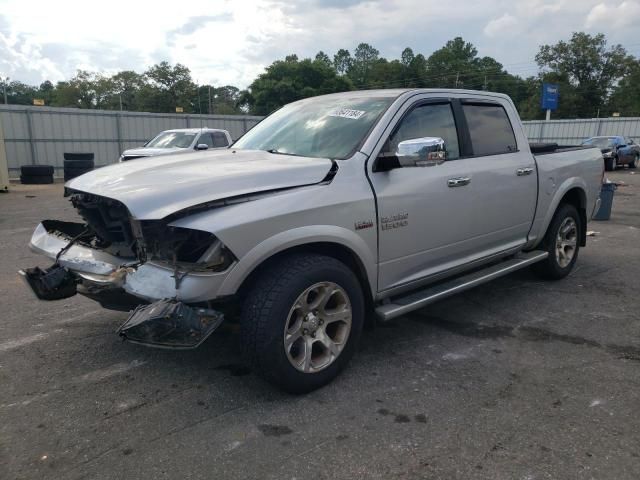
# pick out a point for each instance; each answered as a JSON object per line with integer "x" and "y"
{"x": 179, "y": 109}
{"x": 38, "y": 101}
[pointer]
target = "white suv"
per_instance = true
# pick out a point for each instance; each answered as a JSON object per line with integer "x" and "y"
{"x": 182, "y": 140}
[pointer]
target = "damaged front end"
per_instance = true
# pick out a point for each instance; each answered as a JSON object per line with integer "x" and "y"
{"x": 165, "y": 273}
{"x": 170, "y": 324}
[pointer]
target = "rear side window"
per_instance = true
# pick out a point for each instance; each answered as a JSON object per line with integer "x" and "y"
{"x": 490, "y": 129}
{"x": 220, "y": 139}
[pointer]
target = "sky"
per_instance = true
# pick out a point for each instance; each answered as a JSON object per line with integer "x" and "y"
{"x": 231, "y": 42}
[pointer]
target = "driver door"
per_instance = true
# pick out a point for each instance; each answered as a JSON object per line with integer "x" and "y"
{"x": 445, "y": 208}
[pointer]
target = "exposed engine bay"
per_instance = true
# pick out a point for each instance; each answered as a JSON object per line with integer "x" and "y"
{"x": 111, "y": 228}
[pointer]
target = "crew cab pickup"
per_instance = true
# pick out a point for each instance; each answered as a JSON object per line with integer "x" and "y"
{"x": 333, "y": 211}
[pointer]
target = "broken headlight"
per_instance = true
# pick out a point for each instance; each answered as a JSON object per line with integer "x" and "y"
{"x": 193, "y": 249}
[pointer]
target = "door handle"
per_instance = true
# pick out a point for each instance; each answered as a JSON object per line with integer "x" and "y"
{"x": 524, "y": 171}
{"x": 458, "y": 182}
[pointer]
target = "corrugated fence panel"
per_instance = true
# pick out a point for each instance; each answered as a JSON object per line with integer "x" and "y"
{"x": 572, "y": 132}
{"x": 50, "y": 132}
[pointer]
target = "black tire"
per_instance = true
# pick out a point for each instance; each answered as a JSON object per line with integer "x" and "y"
{"x": 610, "y": 164}
{"x": 550, "y": 268}
{"x": 36, "y": 170}
{"x": 36, "y": 179}
{"x": 265, "y": 312}
{"x": 78, "y": 156}
{"x": 77, "y": 171}
{"x": 634, "y": 163}
{"x": 84, "y": 164}
{"x": 70, "y": 173}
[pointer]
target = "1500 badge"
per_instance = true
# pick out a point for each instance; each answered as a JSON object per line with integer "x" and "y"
{"x": 363, "y": 225}
{"x": 394, "y": 221}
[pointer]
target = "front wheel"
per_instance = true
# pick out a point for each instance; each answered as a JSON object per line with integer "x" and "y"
{"x": 301, "y": 321}
{"x": 636, "y": 160}
{"x": 562, "y": 241}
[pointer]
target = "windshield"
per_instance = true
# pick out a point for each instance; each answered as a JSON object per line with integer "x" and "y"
{"x": 600, "y": 142}
{"x": 172, "y": 139}
{"x": 324, "y": 127}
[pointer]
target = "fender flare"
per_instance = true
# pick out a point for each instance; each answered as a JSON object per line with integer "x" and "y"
{"x": 294, "y": 238}
{"x": 569, "y": 184}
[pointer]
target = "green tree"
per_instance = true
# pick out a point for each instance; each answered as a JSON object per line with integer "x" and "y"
{"x": 453, "y": 65}
{"x": 342, "y": 61}
{"x": 19, "y": 93}
{"x": 289, "y": 80}
{"x": 169, "y": 87}
{"x": 625, "y": 98}
{"x": 364, "y": 58}
{"x": 407, "y": 57}
{"x": 126, "y": 88}
{"x": 587, "y": 64}
{"x": 324, "y": 58}
{"x": 78, "y": 92}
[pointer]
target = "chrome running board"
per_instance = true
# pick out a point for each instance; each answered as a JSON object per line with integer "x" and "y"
{"x": 413, "y": 301}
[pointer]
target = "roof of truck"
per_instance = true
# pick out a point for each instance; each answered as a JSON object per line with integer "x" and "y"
{"x": 195, "y": 130}
{"x": 397, "y": 92}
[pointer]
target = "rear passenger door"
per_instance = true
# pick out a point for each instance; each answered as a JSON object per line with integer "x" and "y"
{"x": 438, "y": 215}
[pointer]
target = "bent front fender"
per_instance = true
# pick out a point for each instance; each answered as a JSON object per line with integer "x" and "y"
{"x": 294, "y": 238}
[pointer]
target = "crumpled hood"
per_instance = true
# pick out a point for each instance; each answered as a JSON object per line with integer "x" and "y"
{"x": 155, "y": 151}
{"x": 152, "y": 188}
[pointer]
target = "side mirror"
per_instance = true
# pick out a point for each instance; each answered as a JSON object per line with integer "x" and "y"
{"x": 421, "y": 152}
{"x": 202, "y": 146}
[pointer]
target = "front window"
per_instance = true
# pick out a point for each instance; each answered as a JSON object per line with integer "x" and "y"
{"x": 332, "y": 127}
{"x": 172, "y": 140}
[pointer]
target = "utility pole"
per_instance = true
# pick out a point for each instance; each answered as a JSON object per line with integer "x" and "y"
{"x": 5, "y": 81}
{"x": 209, "y": 109}
{"x": 457, "y": 77}
{"x": 485, "y": 87}
{"x": 120, "y": 96}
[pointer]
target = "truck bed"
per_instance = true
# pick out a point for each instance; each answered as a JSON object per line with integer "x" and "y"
{"x": 541, "y": 148}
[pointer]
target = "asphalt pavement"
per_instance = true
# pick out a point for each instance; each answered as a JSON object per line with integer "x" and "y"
{"x": 516, "y": 379}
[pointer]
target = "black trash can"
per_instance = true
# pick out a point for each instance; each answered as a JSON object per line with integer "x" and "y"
{"x": 76, "y": 164}
{"x": 606, "y": 201}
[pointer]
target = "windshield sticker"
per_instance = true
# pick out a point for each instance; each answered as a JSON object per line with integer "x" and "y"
{"x": 346, "y": 113}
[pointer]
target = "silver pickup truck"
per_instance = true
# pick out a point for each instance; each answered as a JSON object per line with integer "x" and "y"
{"x": 332, "y": 212}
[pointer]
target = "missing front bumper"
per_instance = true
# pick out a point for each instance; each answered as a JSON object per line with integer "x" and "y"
{"x": 170, "y": 324}
{"x": 54, "y": 283}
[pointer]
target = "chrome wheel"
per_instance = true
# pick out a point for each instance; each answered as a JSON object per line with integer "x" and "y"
{"x": 318, "y": 326}
{"x": 566, "y": 242}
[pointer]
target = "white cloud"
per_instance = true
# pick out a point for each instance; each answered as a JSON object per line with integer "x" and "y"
{"x": 231, "y": 41}
{"x": 606, "y": 16}
{"x": 499, "y": 26}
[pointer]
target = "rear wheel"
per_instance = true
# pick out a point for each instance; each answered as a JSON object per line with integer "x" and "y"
{"x": 636, "y": 160}
{"x": 301, "y": 321}
{"x": 562, "y": 242}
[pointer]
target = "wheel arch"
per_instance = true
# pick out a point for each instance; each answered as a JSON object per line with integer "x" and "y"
{"x": 574, "y": 194}
{"x": 344, "y": 246}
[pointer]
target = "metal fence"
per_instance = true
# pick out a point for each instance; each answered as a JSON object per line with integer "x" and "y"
{"x": 41, "y": 135}
{"x": 572, "y": 132}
